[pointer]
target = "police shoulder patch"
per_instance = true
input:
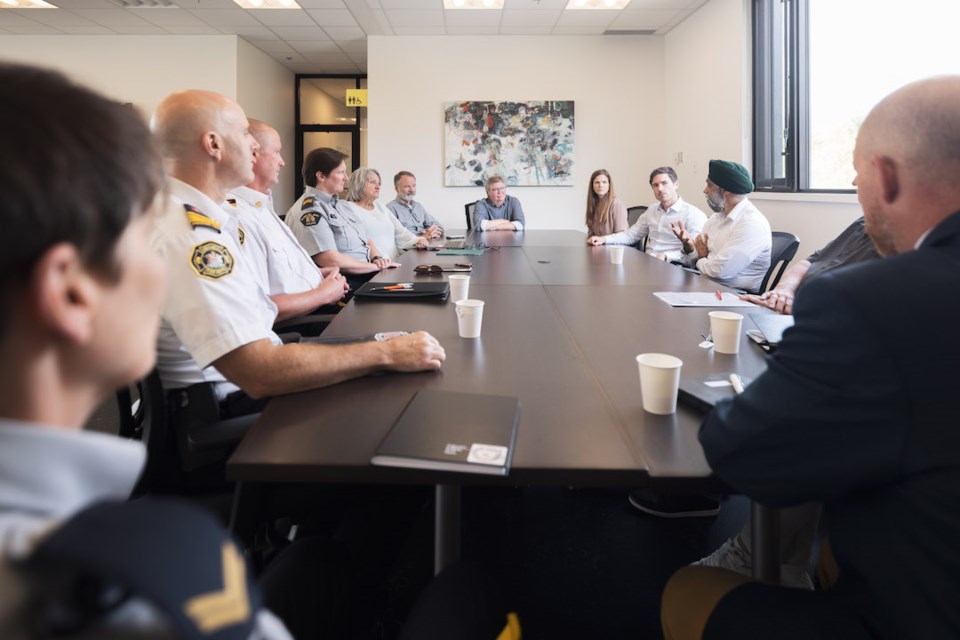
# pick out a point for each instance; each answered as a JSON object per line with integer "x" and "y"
{"x": 197, "y": 218}
{"x": 211, "y": 260}
{"x": 310, "y": 218}
{"x": 307, "y": 203}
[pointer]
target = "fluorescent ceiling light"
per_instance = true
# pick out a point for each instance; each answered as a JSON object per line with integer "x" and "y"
{"x": 603, "y": 5}
{"x": 267, "y": 4}
{"x": 473, "y": 4}
{"x": 26, "y": 4}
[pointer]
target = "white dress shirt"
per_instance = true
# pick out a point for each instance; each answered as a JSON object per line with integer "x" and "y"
{"x": 654, "y": 223}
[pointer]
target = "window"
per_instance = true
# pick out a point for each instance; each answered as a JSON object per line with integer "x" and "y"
{"x": 821, "y": 65}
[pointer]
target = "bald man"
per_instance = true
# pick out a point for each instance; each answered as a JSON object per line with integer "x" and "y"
{"x": 288, "y": 274}
{"x": 216, "y": 345}
{"x": 856, "y": 411}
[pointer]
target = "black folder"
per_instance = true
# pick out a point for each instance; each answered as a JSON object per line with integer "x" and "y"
{"x": 420, "y": 291}
{"x": 453, "y": 431}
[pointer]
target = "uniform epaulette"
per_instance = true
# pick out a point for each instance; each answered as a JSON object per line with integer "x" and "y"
{"x": 197, "y": 218}
{"x": 232, "y": 202}
{"x": 307, "y": 203}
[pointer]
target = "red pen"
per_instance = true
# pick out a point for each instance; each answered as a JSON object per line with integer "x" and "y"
{"x": 719, "y": 296}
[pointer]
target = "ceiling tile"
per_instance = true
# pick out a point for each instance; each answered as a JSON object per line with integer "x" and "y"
{"x": 345, "y": 34}
{"x": 114, "y": 17}
{"x": 355, "y": 46}
{"x": 474, "y": 31}
{"x": 226, "y": 17}
{"x": 587, "y": 18}
{"x": 332, "y": 17}
{"x": 84, "y": 4}
{"x": 300, "y": 33}
{"x": 476, "y": 17}
{"x": 315, "y": 46}
{"x": 192, "y": 5}
{"x": 202, "y": 30}
{"x": 530, "y": 18}
{"x": 170, "y": 17}
{"x": 639, "y": 19}
{"x": 140, "y": 30}
{"x": 89, "y": 31}
{"x": 561, "y": 30}
{"x": 674, "y": 5}
{"x": 329, "y": 58}
{"x": 421, "y": 31}
{"x": 9, "y": 17}
{"x": 415, "y": 18}
{"x": 281, "y": 17}
{"x": 322, "y": 4}
{"x": 525, "y": 30}
{"x": 411, "y": 4}
{"x": 252, "y": 34}
{"x": 60, "y": 18}
{"x": 275, "y": 47}
{"x": 33, "y": 29}
{"x": 534, "y": 5}
{"x": 293, "y": 57}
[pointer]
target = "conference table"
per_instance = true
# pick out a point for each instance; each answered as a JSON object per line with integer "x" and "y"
{"x": 562, "y": 327}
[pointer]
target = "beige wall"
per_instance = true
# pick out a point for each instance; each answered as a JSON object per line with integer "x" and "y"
{"x": 614, "y": 82}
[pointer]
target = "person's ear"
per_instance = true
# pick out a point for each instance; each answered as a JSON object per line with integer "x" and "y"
{"x": 63, "y": 294}
{"x": 212, "y": 144}
{"x": 888, "y": 178}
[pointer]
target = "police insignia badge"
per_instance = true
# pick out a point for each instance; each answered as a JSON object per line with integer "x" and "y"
{"x": 310, "y": 218}
{"x": 307, "y": 203}
{"x": 197, "y": 218}
{"x": 241, "y": 235}
{"x": 211, "y": 260}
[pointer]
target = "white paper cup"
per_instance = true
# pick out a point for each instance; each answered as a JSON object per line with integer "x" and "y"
{"x": 659, "y": 382}
{"x": 616, "y": 254}
{"x": 459, "y": 286}
{"x": 469, "y": 317}
{"x": 725, "y": 329}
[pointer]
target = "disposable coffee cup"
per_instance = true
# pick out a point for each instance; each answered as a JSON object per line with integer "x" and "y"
{"x": 725, "y": 329}
{"x": 659, "y": 382}
{"x": 469, "y": 317}
{"x": 459, "y": 286}
{"x": 616, "y": 254}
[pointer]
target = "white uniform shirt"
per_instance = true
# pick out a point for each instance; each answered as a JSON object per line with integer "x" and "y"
{"x": 655, "y": 224}
{"x": 214, "y": 302}
{"x": 739, "y": 247}
{"x": 49, "y": 474}
{"x": 384, "y": 229}
{"x": 288, "y": 267}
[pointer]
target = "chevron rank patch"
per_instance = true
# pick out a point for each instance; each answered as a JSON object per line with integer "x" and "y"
{"x": 212, "y": 260}
{"x": 197, "y": 218}
{"x": 310, "y": 218}
{"x": 307, "y": 203}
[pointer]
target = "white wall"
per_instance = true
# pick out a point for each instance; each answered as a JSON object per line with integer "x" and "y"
{"x": 708, "y": 115}
{"x": 615, "y": 83}
{"x": 265, "y": 91}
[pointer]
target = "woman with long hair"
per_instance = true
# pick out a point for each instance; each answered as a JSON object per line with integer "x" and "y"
{"x": 605, "y": 212}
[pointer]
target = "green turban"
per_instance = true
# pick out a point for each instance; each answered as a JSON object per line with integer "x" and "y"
{"x": 730, "y": 176}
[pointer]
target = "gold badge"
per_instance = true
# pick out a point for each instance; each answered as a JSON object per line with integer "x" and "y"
{"x": 241, "y": 234}
{"x": 212, "y": 260}
{"x": 310, "y": 218}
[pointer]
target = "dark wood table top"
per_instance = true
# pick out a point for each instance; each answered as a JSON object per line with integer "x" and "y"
{"x": 560, "y": 331}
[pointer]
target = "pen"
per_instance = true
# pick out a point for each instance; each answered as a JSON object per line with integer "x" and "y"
{"x": 395, "y": 287}
{"x": 719, "y": 296}
{"x": 737, "y": 383}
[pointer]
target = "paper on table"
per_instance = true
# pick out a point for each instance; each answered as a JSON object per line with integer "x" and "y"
{"x": 701, "y": 299}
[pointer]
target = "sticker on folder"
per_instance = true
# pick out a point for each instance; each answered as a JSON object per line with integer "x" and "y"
{"x": 487, "y": 454}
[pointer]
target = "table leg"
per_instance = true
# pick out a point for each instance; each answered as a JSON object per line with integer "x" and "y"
{"x": 446, "y": 528}
{"x": 765, "y": 538}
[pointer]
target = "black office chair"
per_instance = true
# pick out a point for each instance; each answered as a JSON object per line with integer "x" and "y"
{"x": 783, "y": 247}
{"x": 633, "y": 214}
{"x": 468, "y": 209}
{"x": 176, "y": 462}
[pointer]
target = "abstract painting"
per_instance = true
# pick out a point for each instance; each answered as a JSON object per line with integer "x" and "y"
{"x": 527, "y": 143}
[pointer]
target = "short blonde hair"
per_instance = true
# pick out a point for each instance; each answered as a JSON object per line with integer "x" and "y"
{"x": 358, "y": 180}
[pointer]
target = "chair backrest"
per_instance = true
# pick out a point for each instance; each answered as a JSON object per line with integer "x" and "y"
{"x": 782, "y": 249}
{"x": 143, "y": 416}
{"x": 633, "y": 214}
{"x": 468, "y": 209}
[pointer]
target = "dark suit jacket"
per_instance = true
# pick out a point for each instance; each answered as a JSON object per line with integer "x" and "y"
{"x": 858, "y": 410}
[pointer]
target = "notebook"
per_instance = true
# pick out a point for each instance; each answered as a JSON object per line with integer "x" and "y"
{"x": 772, "y": 325}
{"x": 453, "y": 431}
{"x": 703, "y": 392}
{"x": 420, "y": 291}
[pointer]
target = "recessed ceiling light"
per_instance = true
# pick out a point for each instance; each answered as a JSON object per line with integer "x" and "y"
{"x": 26, "y": 4}
{"x": 603, "y": 5}
{"x": 473, "y": 4}
{"x": 267, "y": 4}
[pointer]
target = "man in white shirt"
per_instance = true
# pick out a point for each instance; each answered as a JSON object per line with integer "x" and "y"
{"x": 288, "y": 275}
{"x": 654, "y": 224}
{"x": 216, "y": 336}
{"x": 734, "y": 246}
